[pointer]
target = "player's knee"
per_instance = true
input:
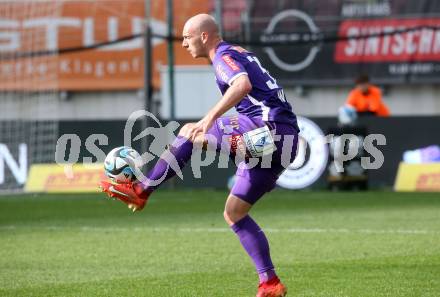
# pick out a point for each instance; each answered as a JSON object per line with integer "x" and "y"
{"x": 227, "y": 218}
{"x": 232, "y": 216}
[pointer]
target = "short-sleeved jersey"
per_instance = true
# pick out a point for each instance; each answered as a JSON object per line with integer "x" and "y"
{"x": 266, "y": 99}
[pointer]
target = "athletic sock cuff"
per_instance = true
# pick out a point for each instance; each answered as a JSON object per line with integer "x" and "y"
{"x": 240, "y": 224}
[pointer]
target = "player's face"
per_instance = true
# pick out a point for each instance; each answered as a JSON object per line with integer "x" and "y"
{"x": 192, "y": 42}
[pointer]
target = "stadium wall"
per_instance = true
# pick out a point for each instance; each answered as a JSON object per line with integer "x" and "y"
{"x": 404, "y": 100}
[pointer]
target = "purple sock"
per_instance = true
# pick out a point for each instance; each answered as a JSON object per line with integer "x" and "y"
{"x": 169, "y": 164}
{"x": 255, "y": 243}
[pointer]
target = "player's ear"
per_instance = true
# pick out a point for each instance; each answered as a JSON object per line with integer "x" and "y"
{"x": 204, "y": 37}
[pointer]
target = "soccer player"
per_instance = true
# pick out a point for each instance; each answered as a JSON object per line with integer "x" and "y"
{"x": 263, "y": 114}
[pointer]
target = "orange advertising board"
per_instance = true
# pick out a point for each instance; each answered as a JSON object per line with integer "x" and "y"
{"x": 30, "y": 27}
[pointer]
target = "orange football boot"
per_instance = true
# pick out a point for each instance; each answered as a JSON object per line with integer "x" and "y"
{"x": 129, "y": 193}
{"x": 272, "y": 288}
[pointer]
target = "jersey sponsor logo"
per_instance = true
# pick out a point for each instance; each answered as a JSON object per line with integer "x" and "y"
{"x": 233, "y": 120}
{"x": 221, "y": 73}
{"x": 238, "y": 147}
{"x": 228, "y": 60}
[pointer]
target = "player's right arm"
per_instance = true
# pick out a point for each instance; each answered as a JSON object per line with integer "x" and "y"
{"x": 239, "y": 88}
{"x": 235, "y": 84}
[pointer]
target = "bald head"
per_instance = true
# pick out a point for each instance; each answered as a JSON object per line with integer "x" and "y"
{"x": 202, "y": 23}
{"x": 201, "y": 35}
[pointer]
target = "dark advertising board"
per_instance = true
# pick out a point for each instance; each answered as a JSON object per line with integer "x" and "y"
{"x": 332, "y": 42}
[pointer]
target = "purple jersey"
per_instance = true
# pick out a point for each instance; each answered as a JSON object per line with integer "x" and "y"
{"x": 266, "y": 100}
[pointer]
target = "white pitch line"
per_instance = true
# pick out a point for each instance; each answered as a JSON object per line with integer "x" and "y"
{"x": 220, "y": 230}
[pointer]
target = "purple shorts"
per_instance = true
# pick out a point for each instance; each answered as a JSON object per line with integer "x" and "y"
{"x": 253, "y": 179}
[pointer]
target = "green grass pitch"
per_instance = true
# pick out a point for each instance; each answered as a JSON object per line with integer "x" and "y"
{"x": 323, "y": 245}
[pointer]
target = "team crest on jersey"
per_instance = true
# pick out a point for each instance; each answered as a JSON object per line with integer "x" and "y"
{"x": 230, "y": 62}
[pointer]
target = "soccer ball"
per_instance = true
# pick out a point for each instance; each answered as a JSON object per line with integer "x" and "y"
{"x": 120, "y": 164}
{"x": 347, "y": 115}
